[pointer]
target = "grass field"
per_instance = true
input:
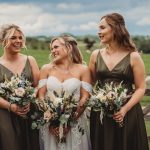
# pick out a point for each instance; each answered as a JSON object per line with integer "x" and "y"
{"x": 146, "y": 58}
{"x": 42, "y": 57}
{"x": 148, "y": 129}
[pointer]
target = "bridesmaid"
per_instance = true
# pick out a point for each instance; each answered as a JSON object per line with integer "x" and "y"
{"x": 119, "y": 61}
{"x": 15, "y": 132}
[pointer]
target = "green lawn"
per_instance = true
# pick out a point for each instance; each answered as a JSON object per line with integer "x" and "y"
{"x": 148, "y": 129}
{"x": 41, "y": 56}
{"x": 146, "y": 59}
{"x": 148, "y": 126}
{"x": 145, "y": 100}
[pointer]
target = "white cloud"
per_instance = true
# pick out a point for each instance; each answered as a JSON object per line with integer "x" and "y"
{"x": 17, "y": 9}
{"x": 88, "y": 26}
{"x": 140, "y": 14}
{"x": 69, "y": 6}
{"x": 35, "y": 21}
{"x": 80, "y": 18}
{"x": 144, "y": 21}
{"x": 32, "y": 19}
{"x": 76, "y": 18}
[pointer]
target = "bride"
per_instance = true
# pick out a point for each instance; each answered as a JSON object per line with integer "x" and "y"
{"x": 67, "y": 73}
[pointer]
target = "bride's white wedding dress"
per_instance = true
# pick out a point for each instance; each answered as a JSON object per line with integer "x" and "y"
{"x": 74, "y": 140}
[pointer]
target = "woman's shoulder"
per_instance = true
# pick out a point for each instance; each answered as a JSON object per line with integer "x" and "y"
{"x": 82, "y": 68}
{"x": 45, "y": 70}
{"x": 31, "y": 59}
{"x": 135, "y": 58}
{"x": 32, "y": 62}
{"x": 135, "y": 55}
{"x": 48, "y": 66}
{"x": 95, "y": 52}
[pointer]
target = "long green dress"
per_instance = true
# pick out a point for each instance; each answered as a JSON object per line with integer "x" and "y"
{"x": 16, "y": 132}
{"x": 108, "y": 136}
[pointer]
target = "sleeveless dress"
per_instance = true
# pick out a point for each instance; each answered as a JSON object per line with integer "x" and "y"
{"x": 16, "y": 132}
{"x": 108, "y": 136}
{"x": 74, "y": 140}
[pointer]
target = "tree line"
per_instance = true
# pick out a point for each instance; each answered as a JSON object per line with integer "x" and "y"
{"x": 42, "y": 42}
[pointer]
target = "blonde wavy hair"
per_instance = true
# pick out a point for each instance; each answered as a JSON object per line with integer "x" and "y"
{"x": 7, "y": 31}
{"x": 71, "y": 47}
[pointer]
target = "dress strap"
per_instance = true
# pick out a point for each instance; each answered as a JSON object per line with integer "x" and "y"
{"x": 99, "y": 54}
{"x": 42, "y": 83}
{"x": 87, "y": 86}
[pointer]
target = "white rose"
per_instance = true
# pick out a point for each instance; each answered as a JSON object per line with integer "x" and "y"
{"x": 57, "y": 101}
{"x": 123, "y": 95}
{"x": 103, "y": 98}
{"x": 99, "y": 95}
{"x": 20, "y": 92}
{"x": 111, "y": 95}
{"x": 47, "y": 116}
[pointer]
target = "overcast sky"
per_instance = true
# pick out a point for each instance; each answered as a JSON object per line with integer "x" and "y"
{"x": 78, "y": 17}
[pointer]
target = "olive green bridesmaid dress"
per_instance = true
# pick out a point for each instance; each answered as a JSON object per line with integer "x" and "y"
{"x": 108, "y": 136}
{"x": 16, "y": 132}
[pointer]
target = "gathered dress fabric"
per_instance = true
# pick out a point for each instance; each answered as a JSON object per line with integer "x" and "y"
{"x": 107, "y": 135}
{"x": 16, "y": 132}
{"x": 74, "y": 139}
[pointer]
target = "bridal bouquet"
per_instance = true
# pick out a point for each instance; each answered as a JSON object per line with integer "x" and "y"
{"x": 58, "y": 111}
{"x": 17, "y": 90}
{"x": 108, "y": 99}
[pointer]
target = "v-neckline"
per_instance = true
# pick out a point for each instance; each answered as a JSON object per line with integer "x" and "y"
{"x": 110, "y": 70}
{"x": 12, "y": 71}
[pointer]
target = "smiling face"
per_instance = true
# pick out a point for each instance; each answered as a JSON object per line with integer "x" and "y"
{"x": 58, "y": 50}
{"x": 15, "y": 42}
{"x": 105, "y": 32}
